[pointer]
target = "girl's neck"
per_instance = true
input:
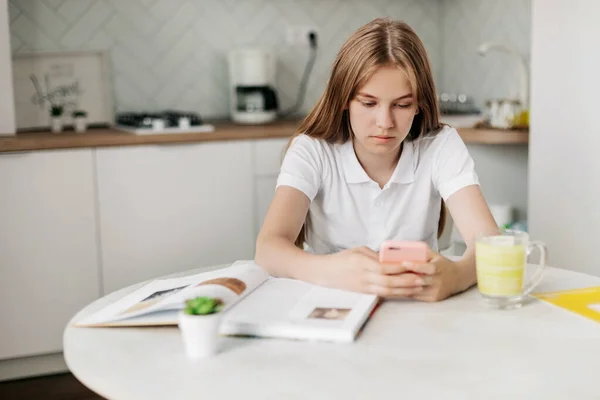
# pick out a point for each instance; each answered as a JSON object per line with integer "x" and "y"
{"x": 379, "y": 167}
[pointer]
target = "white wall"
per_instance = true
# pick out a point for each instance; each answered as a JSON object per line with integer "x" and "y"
{"x": 564, "y": 167}
{"x": 468, "y": 23}
{"x": 7, "y": 107}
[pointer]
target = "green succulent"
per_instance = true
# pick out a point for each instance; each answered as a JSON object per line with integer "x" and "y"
{"x": 56, "y": 110}
{"x": 203, "y": 306}
{"x": 79, "y": 113}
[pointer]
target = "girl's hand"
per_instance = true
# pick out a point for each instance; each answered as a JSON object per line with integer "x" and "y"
{"x": 359, "y": 270}
{"x": 440, "y": 275}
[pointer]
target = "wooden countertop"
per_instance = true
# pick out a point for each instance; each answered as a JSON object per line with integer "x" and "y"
{"x": 224, "y": 131}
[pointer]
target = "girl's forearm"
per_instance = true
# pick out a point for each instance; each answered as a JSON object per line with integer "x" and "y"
{"x": 281, "y": 258}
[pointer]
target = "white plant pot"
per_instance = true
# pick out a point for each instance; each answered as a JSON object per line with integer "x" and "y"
{"x": 80, "y": 124}
{"x": 200, "y": 334}
{"x": 56, "y": 124}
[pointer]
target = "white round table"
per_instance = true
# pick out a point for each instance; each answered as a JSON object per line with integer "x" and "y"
{"x": 455, "y": 349}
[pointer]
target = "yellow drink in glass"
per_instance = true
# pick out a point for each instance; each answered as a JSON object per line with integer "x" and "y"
{"x": 500, "y": 268}
{"x": 501, "y": 260}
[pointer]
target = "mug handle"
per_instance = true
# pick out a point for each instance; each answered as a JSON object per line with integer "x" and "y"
{"x": 541, "y": 266}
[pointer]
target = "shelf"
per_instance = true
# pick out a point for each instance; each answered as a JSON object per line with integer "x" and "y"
{"x": 224, "y": 131}
{"x": 494, "y": 136}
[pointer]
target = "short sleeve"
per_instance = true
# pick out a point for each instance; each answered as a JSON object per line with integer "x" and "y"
{"x": 453, "y": 167}
{"x": 302, "y": 166}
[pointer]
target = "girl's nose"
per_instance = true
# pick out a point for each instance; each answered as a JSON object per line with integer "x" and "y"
{"x": 384, "y": 118}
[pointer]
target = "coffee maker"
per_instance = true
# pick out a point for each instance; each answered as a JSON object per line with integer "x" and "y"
{"x": 252, "y": 79}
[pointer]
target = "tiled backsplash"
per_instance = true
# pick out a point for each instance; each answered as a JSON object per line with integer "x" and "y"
{"x": 172, "y": 53}
{"x": 466, "y": 24}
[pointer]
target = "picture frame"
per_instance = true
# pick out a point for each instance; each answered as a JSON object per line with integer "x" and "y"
{"x": 77, "y": 80}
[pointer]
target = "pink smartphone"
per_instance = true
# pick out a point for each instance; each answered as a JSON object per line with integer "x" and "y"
{"x": 397, "y": 251}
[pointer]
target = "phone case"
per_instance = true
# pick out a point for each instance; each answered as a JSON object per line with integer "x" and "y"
{"x": 397, "y": 251}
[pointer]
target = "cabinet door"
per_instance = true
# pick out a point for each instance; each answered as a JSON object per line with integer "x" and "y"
{"x": 48, "y": 252}
{"x": 171, "y": 208}
{"x": 268, "y": 155}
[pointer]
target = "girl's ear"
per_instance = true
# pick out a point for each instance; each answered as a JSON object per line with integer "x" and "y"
{"x": 417, "y": 110}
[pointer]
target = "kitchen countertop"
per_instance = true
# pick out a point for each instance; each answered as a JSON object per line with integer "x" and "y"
{"x": 224, "y": 131}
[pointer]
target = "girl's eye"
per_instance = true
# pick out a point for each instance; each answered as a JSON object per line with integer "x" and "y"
{"x": 367, "y": 103}
{"x": 403, "y": 105}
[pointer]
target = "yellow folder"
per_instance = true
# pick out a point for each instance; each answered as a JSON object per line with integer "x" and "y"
{"x": 585, "y": 301}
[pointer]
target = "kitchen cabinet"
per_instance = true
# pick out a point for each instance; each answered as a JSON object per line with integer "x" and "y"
{"x": 265, "y": 190}
{"x": 170, "y": 208}
{"x": 268, "y": 155}
{"x": 48, "y": 247}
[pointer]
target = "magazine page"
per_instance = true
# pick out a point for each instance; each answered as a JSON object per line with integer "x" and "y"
{"x": 167, "y": 295}
{"x": 302, "y": 311}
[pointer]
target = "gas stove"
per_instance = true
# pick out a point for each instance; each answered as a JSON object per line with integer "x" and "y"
{"x": 161, "y": 122}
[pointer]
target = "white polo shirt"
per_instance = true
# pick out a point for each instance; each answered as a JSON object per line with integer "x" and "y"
{"x": 348, "y": 209}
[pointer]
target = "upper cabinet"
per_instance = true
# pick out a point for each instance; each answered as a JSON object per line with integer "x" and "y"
{"x": 48, "y": 247}
{"x": 171, "y": 208}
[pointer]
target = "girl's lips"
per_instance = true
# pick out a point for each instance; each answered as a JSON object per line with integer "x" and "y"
{"x": 382, "y": 139}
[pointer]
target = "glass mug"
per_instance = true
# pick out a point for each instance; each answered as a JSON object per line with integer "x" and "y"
{"x": 501, "y": 261}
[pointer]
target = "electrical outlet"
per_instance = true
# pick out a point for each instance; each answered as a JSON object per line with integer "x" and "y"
{"x": 297, "y": 35}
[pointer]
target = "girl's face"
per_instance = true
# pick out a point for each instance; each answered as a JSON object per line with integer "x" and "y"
{"x": 382, "y": 111}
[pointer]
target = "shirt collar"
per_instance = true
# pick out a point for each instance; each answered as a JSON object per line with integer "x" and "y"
{"x": 354, "y": 172}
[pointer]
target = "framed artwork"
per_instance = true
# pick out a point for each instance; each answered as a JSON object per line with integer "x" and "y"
{"x": 74, "y": 80}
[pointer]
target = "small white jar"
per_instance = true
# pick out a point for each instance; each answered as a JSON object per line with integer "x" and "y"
{"x": 80, "y": 124}
{"x": 184, "y": 123}
{"x": 56, "y": 125}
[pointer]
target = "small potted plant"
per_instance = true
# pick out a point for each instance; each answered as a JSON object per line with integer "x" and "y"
{"x": 56, "y": 112}
{"x": 199, "y": 324}
{"x": 80, "y": 120}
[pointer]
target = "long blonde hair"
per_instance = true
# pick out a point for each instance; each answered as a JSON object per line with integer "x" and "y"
{"x": 381, "y": 42}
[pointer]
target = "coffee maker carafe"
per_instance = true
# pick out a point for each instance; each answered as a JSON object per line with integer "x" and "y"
{"x": 252, "y": 78}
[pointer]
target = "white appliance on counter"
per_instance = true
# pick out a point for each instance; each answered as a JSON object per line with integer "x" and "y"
{"x": 252, "y": 86}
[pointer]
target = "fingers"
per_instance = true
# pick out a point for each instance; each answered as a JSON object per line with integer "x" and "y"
{"x": 388, "y": 292}
{"x": 367, "y": 259}
{"x": 429, "y": 295}
{"x": 422, "y": 268}
{"x": 367, "y": 252}
{"x": 431, "y": 255}
{"x": 391, "y": 269}
{"x": 406, "y": 280}
{"x": 428, "y": 268}
{"x": 397, "y": 286}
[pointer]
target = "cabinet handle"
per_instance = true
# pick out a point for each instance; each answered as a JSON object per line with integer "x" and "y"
{"x": 15, "y": 153}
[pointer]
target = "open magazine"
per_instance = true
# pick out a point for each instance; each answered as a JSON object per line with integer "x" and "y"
{"x": 255, "y": 304}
